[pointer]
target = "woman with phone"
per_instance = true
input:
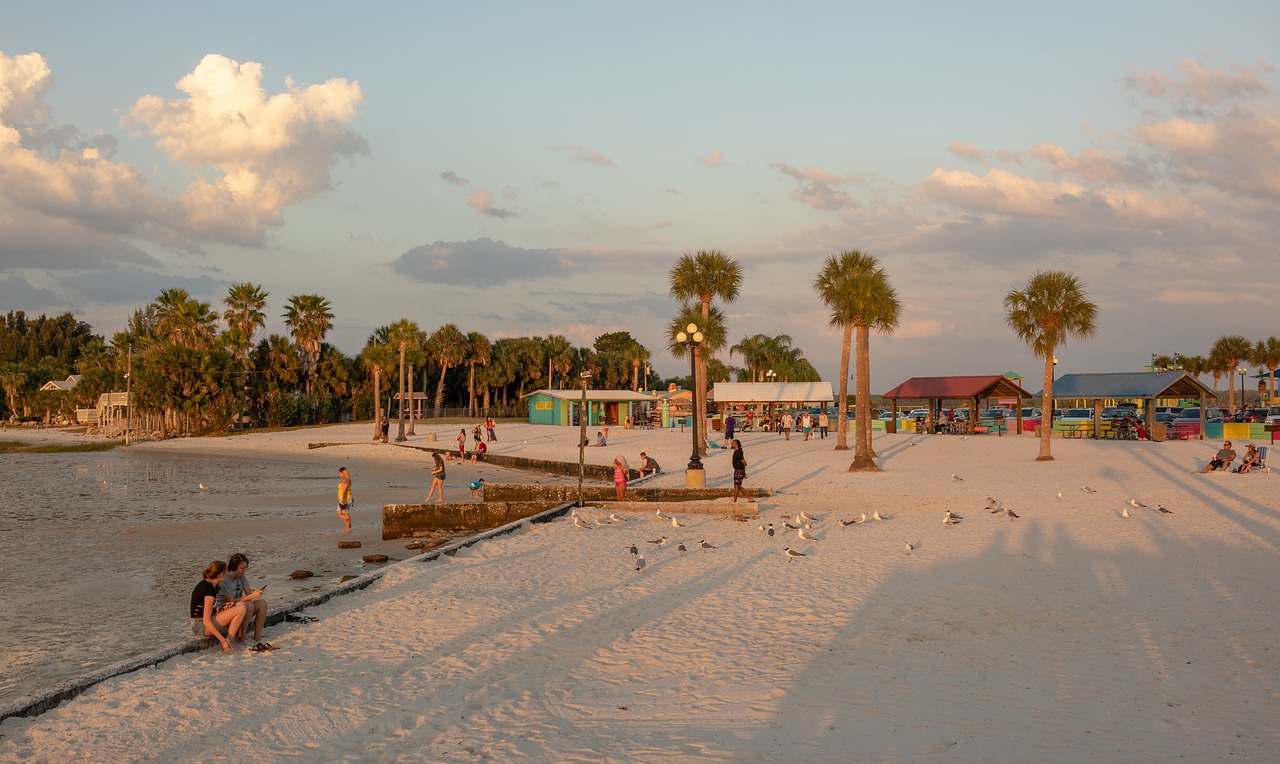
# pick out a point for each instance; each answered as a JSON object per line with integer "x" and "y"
{"x": 235, "y": 589}
{"x": 206, "y": 619}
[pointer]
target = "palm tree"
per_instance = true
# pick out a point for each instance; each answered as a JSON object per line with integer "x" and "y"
{"x": 714, "y": 334}
{"x": 857, "y": 290}
{"x": 559, "y": 353}
{"x": 1053, "y": 307}
{"x": 703, "y": 277}
{"x": 503, "y": 368}
{"x": 481, "y": 351}
{"x": 447, "y": 347}
{"x": 408, "y": 338}
{"x": 309, "y": 319}
{"x": 1232, "y": 351}
{"x": 13, "y": 378}
{"x": 183, "y": 321}
{"x": 377, "y": 357}
{"x": 245, "y": 304}
{"x": 752, "y": 351}
{"x": 1267, "y": 353}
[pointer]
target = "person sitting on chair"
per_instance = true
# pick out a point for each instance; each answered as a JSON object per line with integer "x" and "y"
{"x": 1222, "y": 460}
{"x": 1251, "y": 458}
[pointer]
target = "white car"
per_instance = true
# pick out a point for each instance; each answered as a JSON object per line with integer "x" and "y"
{"x": 1273, "y": 415}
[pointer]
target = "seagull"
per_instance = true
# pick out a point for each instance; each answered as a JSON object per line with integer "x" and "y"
{"x": 798, "y": 519}
{"x": 615, "y": 518}
{"x": 681, "y": 547}
{"x": 602, "y": 522}
{"x": 659, "y": 541}
{"x": 634, "y": 551}
{"x": 770, "y": 531}
{"x": 862, "y": 518}
{"x": 956, "y": 477}
{"x": 1087, "y": 489}
{"x": 998, "y": 510}
{"x": 760, "y": 527}
{"x": 847, "y": 523}
{"x": 705, "y": 545}
{"x": 577, "y": 522}
{"x": 640, "y": 563}
{"x": 789, "y": 525}
{"x": 953, "y": 514}
{"x": 792, "y": 554}
{"x": 876, "y": 514}
{"x": 950, "y": 521}
{"x": 1125, "y": 513}
{"x": 204, "y": 487}
{"x": 805, "y": 516}
{"x": 676, "y": 523}
{"x": 992, "y": 503}
{"x": 1136, "y": 503}
{"x": 1013, "y": 515}
{"x": 907, "y": 546}
{"x": 661, "y": 516}
{"x": 806, "y": 536}
{"x": 1164, "y": 511}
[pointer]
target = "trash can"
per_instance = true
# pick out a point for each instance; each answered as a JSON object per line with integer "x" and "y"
{"x": 1158, "y": 431}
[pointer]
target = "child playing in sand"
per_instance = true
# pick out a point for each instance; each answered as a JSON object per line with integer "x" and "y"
{"x": 477, "y": 488}
{"x": 345, "y": 500}
{"x": 620, "y": 469}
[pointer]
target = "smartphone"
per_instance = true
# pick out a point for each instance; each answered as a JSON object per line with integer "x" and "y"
{"x": 261, "y": 588}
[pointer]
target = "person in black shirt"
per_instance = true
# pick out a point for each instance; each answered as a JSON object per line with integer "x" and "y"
{"x": 205, "y": 620}
{"x": 739, "y": 473}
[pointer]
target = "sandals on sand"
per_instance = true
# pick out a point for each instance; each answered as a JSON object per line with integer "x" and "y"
{"x": 263, "y": 647}
{"x": 300, "y": 618}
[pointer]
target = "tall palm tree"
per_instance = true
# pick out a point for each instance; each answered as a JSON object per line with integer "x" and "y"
{"x": 448, "y": 348}
{"x": 184, "y": 321}
{"x": 1050, "y": 309}
{"x": 701, "y": 278}
{"x": 481, "y": 350}
{"x": 559, "y": 353}
{"x": 714, "y": 332}
{"x": 377, "y": 357}
{"x": 503, "y": 368}
{"x": 245, "y": 304}
{"x": 857, "y": 290}
{"x": 639, "y": 357}
{"x": 1232, "y": 350}
{"x": 309, "y": 319}
{"x": 1267, "y": 354}
{"x": 408, "y": 339}
{"x": 750, "y": 348}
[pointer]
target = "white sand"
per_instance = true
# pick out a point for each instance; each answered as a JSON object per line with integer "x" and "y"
{"x": 1071, "y": 634}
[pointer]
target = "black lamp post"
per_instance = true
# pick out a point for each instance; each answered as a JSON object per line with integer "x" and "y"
{"x": 691, "y": 338}
{"x": 582, "y": 434}
{"x": 1243, "y": 371}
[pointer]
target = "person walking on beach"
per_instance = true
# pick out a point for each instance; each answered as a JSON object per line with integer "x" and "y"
{"x": 437, "y": 479}
{"x": 730, "y": 424}
{"x": 206, "y": 620}
{"x": 806, "y": 425}
{"x": 489, "y": 426}
{"x": 386, "y": 427}
{"x": 345, "y": 499}
{"x": 739, "y": 473}
{"x": 461, "y": 440}
{"x": 620, "y": 469}
{"x": 823, "y": 424}
{"x": 787, "y": 423}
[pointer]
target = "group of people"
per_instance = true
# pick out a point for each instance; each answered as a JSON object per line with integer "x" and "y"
{"x": 478, "y": 446}
{"x": 804, "y": 423}
{"x": 1226, "y": 455}
{"x": 223, "y": 604}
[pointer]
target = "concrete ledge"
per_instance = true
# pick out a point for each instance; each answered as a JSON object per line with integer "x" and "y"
{"x": 568, "y": 469}
{"x": 595, "y": 493}
{"x": 406, "y": 520}
{"x": 34, "y": 705}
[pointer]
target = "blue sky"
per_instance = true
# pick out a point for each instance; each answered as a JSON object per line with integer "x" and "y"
{"x": 525, "y": 168}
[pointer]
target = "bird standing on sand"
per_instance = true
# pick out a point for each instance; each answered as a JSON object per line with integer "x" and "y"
{"x": 1125, "y": 513}
{"x": 790, "y": 527}
{"x": 907, "y": 545}
{"x": 847, "y": 523}
{"x": 676, "y": 523}
{"x": 659, "y": 541}
{"x": 876, "y": 514}
{"x": 634, "y": 551}
{"x": 1013, "y": 515}
{"x": 203, "y": 487}
{"x": 1164, "y": 511}
{"x": 1088, "y": 489}
{"x": 599, "y": 521}
{"x": 770, "y": 531}
{"x": 792, "y": 554}
{"x": 806, "y": 536}
{"x": 706, "y": 545}
{"x": 992, "y": 503}
{"x": 640, "y": 563}
{"x": 577, "y": 522}
{"x": 806, "y": 517}
{"x": 1136, "y": 503}
{"x": 681, "y": 547}
{"x": 862, "y": 518}
{"x": 615, "y": 518}
{"x": 956, "y": 477}
{"x": 661, "y": 516}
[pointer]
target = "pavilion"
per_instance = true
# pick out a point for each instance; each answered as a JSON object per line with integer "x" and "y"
{"x": 1146, "y": 386}
{"x": 967, "y": 388}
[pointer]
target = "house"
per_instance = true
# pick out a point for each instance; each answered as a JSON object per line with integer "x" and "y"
{"x": 68, "y": 384}
{"x": 110, "y": 407}
{"x": 611, "y": 407}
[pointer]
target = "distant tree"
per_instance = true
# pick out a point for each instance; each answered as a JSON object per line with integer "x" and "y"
{"x": 1050, "y": 309}
{"x": 448, "y": 348}
{"x": 1267, "y": 354}
{"x": 1231, "y": 351}
{"x": 480, "y": 351}
{"x": 700, "y": 278}
{"x": 309, "y": 318}
{"x": 377, "y": 357}
{"x": 408, "y": 338}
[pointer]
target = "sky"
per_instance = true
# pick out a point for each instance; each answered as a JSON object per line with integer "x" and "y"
{"x": 537, "y": 168}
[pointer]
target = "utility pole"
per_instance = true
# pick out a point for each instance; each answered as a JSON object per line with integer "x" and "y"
{"x": 128, "y": 395}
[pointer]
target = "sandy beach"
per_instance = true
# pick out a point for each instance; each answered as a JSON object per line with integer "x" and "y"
{"x": 1071, "y": 633}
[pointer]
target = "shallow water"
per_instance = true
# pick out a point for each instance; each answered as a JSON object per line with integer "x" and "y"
{"x": 102, "y": 550}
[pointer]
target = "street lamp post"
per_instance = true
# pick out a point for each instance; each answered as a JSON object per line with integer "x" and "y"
{"x": 694, "y": 476}
{"x": 772, "y": 376}
{"x": 1241, "y": 371}
{"x": 582, "y": 434}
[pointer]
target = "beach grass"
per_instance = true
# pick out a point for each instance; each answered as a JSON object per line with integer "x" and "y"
{"x": 13, "y": 446}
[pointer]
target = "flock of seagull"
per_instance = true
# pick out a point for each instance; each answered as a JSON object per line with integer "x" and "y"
{"x": 803, "y": 524}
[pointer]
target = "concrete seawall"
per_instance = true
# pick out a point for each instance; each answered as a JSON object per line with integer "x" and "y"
{"x": 34, "y": 705}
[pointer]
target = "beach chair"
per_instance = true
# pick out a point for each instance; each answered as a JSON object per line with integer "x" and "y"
{"x": 1262, "y": 460}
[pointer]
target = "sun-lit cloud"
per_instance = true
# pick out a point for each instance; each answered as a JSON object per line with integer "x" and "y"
{"x": 819, "y": 188}
{"x": 581, "y": 154}
{"x": 1197, "y": 85}
{"x": 453, "y": 179}
{"x": 270, "y": 150}
{"x": 713, "y": 160}
{"x": 968, "y": 151}
{"x": 482, "y": 201}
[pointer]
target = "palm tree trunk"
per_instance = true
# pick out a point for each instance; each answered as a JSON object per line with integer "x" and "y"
{"x": 863, "y": 459}
{"x": 412, "y": 402}
{"x": 377, "y": 402}
{"x": 400, "y": 438}
{"x": 440, "y": 391}
{"x": 1046, "y": 410}
{"x": 842, "y": 426}
{"x": 471, "y": 388}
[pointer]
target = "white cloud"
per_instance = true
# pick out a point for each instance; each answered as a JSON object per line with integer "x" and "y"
{"x": 482, "y": 201}
{"x": 1201, "y": 86}
{"x": 968, "y": 151}
{"x": 818, "y": 187}
{"x": 581, "y": 154}
{"x": 713, "y": 160}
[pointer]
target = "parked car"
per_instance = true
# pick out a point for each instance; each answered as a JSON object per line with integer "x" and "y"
{"x": 1168, "y": 410}
{"x": 1192, "y": 414}
{"x": 1273, "y": 414}
{"x": 1031, "y": 413}
{"x": 1078, "y": 415}
{"x": 1253, "y": 415}
{"x": 997, "y": 414}
{"x": 918, "y": 414}
{"x": 1165, "y": 417}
